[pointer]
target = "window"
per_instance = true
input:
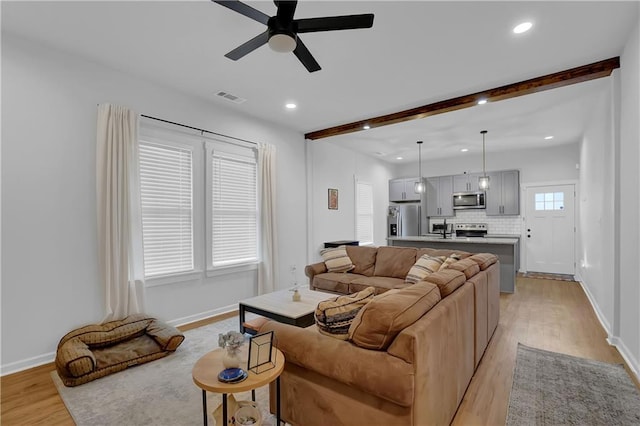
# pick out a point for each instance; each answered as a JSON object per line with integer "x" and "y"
{"x": 549, "y": 201}
{"x": 234, "y": 209}
{"x": 166, "y": 192}
{"x": 364, "y": 213}
{"x": 199, "y": 205}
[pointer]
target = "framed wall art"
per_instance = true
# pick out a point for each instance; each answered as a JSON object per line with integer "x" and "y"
{"x": 333, "y": 199}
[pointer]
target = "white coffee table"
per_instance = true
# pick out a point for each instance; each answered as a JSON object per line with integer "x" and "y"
{"x": 280, "y": 307}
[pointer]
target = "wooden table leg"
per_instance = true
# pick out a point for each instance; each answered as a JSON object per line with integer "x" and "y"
{"x": 278, "y": 401}
{"x": 204, "y": 407}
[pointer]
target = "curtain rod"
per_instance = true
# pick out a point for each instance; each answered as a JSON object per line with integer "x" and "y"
{"x": 195, "y": 128}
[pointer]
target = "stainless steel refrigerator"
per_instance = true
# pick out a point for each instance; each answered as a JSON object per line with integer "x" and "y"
{"x": 403, "y": 220}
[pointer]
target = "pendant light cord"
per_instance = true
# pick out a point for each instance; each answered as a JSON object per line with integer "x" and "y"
{"x": 484, "y": 169}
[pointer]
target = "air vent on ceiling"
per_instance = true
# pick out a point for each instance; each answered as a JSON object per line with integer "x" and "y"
{"x": 230, "y": 97}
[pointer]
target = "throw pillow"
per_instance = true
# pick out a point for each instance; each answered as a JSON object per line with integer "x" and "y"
{"x": 453, "y": 257}
{"x": 423, "y": 267}
{"x": 334, "y": 316}
{"x": 337, "y": 260}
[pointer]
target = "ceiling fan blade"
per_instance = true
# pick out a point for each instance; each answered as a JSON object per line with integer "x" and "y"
{"x": 244, "y": 9}
{"x": 303, "y": 54}
{"x": 286, "y": 9}
{"x": 249, "y": 46}
{"x": 334, "y": 23}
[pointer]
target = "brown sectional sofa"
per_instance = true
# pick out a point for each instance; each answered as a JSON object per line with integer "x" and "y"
{"x": 412, "y": 351}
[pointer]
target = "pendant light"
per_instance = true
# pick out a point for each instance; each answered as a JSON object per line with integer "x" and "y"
{"x": 419, "y": 187}
{"x": 483, "y": 181}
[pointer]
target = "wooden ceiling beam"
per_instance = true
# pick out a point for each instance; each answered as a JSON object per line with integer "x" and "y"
{"x": 526, "y": 87}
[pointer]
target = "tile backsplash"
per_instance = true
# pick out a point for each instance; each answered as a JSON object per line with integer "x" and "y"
{"x": 510, "y": 225}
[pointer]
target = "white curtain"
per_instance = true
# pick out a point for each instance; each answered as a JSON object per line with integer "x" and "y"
{"x": 119, "y": 219}
{"x": 267, "y": 271}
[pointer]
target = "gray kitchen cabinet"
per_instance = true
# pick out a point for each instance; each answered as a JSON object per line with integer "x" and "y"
{"x": 503, "y": 195}
{"x": 440, "y": 196}
{"x": 467, "y": 182}
{"x": 403, "y": 190}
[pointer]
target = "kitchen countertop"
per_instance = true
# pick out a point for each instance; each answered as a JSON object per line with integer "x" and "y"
{"x": 463, "y": 240}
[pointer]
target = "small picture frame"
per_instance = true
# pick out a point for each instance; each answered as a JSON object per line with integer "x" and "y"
{"x": 333, "y": 199}
{"x": 261, "y": 357}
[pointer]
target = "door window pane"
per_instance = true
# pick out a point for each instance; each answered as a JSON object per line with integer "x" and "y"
{"x": 549, "y": 201}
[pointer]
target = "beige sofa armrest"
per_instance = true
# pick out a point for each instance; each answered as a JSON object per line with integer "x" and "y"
{"x": 313, "y": 270}
{"x": 165, "y": 335}
{"x": 345, "y": 362}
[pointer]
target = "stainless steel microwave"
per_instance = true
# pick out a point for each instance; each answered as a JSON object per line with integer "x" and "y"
{"x": 469, "y": 200}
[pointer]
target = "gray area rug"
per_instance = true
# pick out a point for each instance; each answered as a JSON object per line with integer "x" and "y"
{"x": 556, "y": 389}
{"x": 161, "y": 392}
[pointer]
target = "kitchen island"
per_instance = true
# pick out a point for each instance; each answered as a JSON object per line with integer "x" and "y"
{"x": 505, "y": 248}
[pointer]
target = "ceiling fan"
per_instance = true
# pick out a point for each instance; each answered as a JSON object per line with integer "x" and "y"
{"x": 282, "y": 30}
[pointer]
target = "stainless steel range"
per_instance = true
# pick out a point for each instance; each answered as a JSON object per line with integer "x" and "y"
{"x": 471, "y": 229}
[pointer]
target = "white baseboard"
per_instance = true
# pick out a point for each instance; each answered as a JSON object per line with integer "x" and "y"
{"x": 594, "y": 305}
{"x": 25, "y": 364}
{"x": 615, "y": 341}
{"x": 203, "y": 315}
{"x": 632, "y": 363}
{"x": 36, "y": 361}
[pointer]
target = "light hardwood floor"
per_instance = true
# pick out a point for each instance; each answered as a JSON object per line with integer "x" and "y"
{"x": 551, "y": 315}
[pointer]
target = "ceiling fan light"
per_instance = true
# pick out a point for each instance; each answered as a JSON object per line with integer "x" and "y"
{"x": 282, "y": 43}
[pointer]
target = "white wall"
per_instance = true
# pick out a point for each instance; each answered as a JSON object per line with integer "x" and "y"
{"x": 629, "y": 214}
{"x": 333, "y": 166}
{"x": 50, "y": 281}
{"x": 609, "y": 243}
{"x": 596, "y": 224}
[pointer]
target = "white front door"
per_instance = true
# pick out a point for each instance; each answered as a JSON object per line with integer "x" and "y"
{"x": 549, "y": 236}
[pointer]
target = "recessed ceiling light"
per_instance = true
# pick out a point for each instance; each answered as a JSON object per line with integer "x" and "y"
{"x": 366, "y": 127}
{"x": 464, "y": 150}
{"x": 523, "y": 27}
{"x": 398, "y": 158}
{"x": 291, "y": 105}
{"x": 482, "y": 101}
{"x": 548, "y": 137}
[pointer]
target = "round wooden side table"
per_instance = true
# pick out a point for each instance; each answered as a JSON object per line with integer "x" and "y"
{"x": 205, "y": 376}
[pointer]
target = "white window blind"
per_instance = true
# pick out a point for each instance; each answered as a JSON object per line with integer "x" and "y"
{"x": 364, "y": 213}
{"x": 234, "y": 211}
{"x": 166, "y": 180}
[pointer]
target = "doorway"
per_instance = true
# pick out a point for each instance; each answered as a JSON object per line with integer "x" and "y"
{"x": 549, "y": 236}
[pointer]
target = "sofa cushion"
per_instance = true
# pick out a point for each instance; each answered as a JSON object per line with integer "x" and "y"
{"x": 424, "y": 266}
{"x": 380, "y": 321}
{"x": 337, "y": 259}
{"x": 334, "y": 316}
{"x": 363, "y": 258}
{"x": 394, "y": 262}
{"x": 467, "y": 266}
{"x": 338, "y": 282}
{"x": 447, "y": 280}
{"x": 484, "y": 260}
{"x": 381, "y": 284}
